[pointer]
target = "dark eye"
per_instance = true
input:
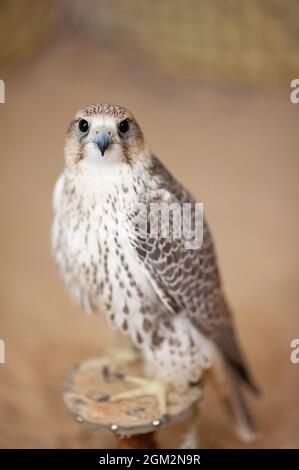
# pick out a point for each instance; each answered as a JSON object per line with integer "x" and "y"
{"x": 83, "y": 125}
{"x": 124, "y": 126}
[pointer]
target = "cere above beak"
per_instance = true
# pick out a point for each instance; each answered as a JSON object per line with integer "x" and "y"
{"x": 102, "y": 141}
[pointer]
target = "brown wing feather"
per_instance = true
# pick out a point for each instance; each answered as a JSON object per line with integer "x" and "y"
{"x": 187, "y": 280}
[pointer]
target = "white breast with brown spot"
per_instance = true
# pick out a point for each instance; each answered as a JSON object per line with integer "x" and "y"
{"x": 102, "y": 272}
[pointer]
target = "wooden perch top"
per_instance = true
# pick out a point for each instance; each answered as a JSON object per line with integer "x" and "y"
{"x": 89, "y": 384}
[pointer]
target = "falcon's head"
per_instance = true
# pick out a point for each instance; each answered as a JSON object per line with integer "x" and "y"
{"x": 103, "y": 133}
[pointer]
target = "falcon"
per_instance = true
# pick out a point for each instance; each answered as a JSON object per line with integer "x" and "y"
{"x": 162, "y": 292}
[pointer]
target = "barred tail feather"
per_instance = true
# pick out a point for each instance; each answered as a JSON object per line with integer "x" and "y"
{"x": 238, "y": 408}
{"x": 230, "y": 388}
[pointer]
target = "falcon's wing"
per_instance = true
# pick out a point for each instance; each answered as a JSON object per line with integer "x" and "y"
{"x": 186, "y": 280}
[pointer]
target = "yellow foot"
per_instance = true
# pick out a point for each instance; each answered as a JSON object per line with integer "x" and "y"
{"x": 145, "y": 387}
{"x": 119, "y": 357}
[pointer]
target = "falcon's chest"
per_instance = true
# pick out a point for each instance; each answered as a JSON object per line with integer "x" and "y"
{"x": 92, "y": 248}
{"x": 95, "y": 257}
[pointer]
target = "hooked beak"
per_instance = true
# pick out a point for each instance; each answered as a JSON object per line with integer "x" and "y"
{"x": 102, "y": 141}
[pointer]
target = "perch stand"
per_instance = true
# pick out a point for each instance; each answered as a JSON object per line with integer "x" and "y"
{"x": 134, "y": 422}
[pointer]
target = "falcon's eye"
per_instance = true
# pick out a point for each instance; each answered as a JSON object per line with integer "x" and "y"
{"x": 83, "y": 125}
{"x": 124, "y": 126}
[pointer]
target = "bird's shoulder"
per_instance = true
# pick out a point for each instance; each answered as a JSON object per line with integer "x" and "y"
{"x": 167, "y": 187}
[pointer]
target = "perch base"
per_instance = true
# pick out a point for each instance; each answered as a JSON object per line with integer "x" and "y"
{"x": 89, "y": 385}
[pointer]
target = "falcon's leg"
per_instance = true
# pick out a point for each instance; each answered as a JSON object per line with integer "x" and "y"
{"x": 145, "y": 387}
{"x": 118, "y": 357}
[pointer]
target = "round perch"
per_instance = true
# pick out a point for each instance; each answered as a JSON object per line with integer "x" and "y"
{"x": 89, "y": 385}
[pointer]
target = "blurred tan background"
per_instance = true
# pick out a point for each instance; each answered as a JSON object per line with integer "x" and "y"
{"x": 219, "y": 72}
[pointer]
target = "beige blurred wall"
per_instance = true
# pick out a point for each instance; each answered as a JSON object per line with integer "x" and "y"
{"x": 238, "y": 153}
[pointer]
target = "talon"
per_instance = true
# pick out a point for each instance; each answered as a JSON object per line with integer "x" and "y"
{"x": 119, "y": 375}
{"x": 104, "y": 397}
{"x": 105, "y": 373}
